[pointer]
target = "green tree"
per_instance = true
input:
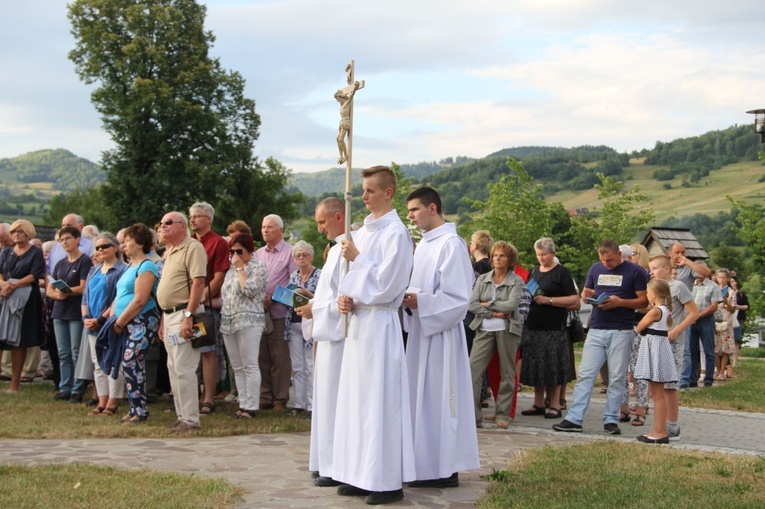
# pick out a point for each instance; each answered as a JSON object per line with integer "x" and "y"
{"x": 182, "y": 126}
{"x": 515, "y": 212}
{"x": 89, "y": 203}
{"x": 751, "y": 219}
{"x": 619, "y": 219}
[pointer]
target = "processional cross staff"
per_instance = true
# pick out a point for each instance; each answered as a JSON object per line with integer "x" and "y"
{"x": 345, "y": 97}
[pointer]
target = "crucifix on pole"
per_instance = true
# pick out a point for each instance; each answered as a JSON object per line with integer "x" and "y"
{"x": 345, "y": 97}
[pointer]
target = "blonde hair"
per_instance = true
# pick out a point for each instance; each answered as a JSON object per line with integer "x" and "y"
{"x": 25, "y": 225}
{"x": 662, "y": 291}
{"x": 642, "y": 254}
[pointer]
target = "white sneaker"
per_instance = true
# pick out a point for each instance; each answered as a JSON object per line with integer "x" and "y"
{"x": 230, "y": 398}
{"x": 673, "y": 434}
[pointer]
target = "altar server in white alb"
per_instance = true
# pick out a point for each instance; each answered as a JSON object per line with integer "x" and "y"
{"x": 329, "y": 341}
{"x": 440, "y": 388}
{"x": 373, "y": 428}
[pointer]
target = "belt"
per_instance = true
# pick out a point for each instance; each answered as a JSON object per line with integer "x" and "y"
{"x": 179, "y": 307}
{"x": 656, "y": 332}
{"x": 384, "y": 308}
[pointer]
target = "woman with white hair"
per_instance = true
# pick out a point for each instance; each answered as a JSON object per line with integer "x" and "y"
{"x": 546, "y": 353}
{"x": 301, "y": 344}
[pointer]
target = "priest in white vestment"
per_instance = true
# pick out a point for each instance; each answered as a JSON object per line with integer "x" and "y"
{"x": 330, "y": 220}
{"x": 373, "y": 427}
{"x": 441, "y": 391}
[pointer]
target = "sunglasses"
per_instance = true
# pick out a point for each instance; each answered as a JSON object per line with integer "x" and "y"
{"x": 169, "y": 222}
{"x": 235, "y": 251}
{"x": 105, "y": 246}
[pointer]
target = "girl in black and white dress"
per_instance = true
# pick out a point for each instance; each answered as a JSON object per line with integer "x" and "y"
{"x": 655, "y": 361}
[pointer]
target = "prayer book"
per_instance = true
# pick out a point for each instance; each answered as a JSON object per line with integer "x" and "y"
{"x": 533, "y": 287}
{"x": 289, "y": 297}
{"x": 57, "y": 283}
{"x": 597, "y": 302}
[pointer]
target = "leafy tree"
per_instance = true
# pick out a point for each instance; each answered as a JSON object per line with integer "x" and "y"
{"x": 726, "y": 257}
{"x": 751, "y": 219}
{"x": 182, "y": 126}
{"x": 619, "y": 219}
{"x": 89, "y": 203}
{"x": 516, "y": 212}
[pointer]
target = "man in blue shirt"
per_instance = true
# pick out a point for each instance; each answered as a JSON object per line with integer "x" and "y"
{"x": 610, "y": 335}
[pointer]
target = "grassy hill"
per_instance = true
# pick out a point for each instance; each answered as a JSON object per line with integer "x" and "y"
{"x": 708, "y": 196}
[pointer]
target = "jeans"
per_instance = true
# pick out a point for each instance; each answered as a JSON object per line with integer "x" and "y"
{"x": 68, "y": 337}
{"x": 601, "y": 345}
{"x": 243, "y": 347}
{"x": 704, "y": 330}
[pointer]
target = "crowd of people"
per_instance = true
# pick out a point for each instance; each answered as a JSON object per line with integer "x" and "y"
{"x": 384, "y": 412}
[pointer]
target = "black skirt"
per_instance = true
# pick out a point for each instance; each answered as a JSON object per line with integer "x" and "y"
{"x": 546, "y": 358}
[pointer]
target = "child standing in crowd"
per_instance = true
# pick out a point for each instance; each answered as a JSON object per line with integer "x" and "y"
{"x": 655, "y": 361}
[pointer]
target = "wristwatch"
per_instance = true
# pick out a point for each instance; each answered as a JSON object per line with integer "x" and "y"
{"x": 187, "y": 313}
{"x": 551, "y": 302}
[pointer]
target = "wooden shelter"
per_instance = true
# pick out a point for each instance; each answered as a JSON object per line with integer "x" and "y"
{"x": 659, "y": 241}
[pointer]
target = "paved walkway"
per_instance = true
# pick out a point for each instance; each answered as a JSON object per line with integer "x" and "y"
{"x": 272, "y": 468}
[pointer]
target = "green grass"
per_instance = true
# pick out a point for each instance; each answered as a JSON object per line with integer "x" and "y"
{"x": 743, "y": 394}
{"x": 90, "y": 487}
{"x": 753, "y": 352}
{"x": 708, "y": 196}
{"x": 612, "y": 474}
{"x": 32, "y": 415}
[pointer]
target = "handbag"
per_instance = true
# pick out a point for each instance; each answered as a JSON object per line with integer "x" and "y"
{"x": 207, "y": 319}
{"x": 575, "y": 328}
{"x": 721, "y": 326}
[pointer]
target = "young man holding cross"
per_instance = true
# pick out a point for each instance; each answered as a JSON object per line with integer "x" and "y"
{"x": 373, "y": 453}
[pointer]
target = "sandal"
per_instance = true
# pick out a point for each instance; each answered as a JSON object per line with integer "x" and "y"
{"x": 246, "y": 414}
{"x": 534, "y": 410}
{"x": 624, "y": 416}
{"x": 108, "y": 412}
{"x": 553, "y": 413}
{"x": 207, "y": 408}
{"x": 97, "y": 411}
{"x": 502, "y": 424}
{"x": 547, "y": 402}
{"x": 136, "y": 419}
{"x": 639, "y": 420}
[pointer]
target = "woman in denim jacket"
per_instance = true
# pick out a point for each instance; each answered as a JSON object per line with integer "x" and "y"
{"x": 498, "y": 323}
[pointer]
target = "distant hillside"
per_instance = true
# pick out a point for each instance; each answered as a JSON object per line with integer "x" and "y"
{"x": 333, "y": 180}
{"x": 64, "y": 170}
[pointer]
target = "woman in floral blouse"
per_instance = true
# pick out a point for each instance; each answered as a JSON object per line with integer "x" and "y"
{"x": 242, "y": 320}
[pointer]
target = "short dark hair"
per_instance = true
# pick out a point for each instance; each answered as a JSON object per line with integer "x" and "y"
{"x": 141, "y": 235}
{"x": 608, "y": 246}
{"x": 243, "y": 239}
{"x": 426, "y": 195}
{"x": 71, "y": 230}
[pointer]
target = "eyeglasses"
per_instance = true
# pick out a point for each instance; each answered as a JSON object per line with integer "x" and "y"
{"x": 302, "y": 255}
{"x": 235, "y": 251}
{"x": 65, "y": 239}
{"x": 105, "y": 246}
{"x": 169, "y": 222}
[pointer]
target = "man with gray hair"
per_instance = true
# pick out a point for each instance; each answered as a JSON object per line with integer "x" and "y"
{"x": 5, "y": 236}
{"x": 85, "y": 245}
{"x": 180, "y": 296}
{"x": 274, "y": 358}
{"x": 201, "y": 216}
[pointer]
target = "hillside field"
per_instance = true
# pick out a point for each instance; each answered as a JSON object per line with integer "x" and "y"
{"x": 708, "y": 196}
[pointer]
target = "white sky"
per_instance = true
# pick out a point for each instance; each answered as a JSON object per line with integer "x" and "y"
{"x": 443, "y": 77}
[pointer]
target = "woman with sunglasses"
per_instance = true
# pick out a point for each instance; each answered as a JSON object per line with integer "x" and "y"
{"x": 100, "y": 291}
{"x": 301, "y": 347}
{"x": 20, "y": 268}
{"x": 242, "y": 320}
{"x": 73, "y": 270}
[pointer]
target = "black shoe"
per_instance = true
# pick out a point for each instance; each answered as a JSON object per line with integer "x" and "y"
{"x": 384, "y": 497}
{"x": 707, "y": 384}
{"x": 62, "y": 396}
{"x": 445, "y": 482}
{"x": 565, "y": 425}
{"x": 346, "y": 490}
{"x": 612, "y": 428}
{"x": 315, "y": 474}
{"x": 649, "y": 440}
{"x": 693, "y": 384}
{"x": 325, "y": 482}
{"x": 92, "y": 402}
{"x": 534, "y": 410}
{"x": 75, "y": 398}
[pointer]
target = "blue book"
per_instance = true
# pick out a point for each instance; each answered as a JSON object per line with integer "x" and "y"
{"x": 533, "y": 287}
{"x": 288, "y": 297}
{"x": 597, "y": 302}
